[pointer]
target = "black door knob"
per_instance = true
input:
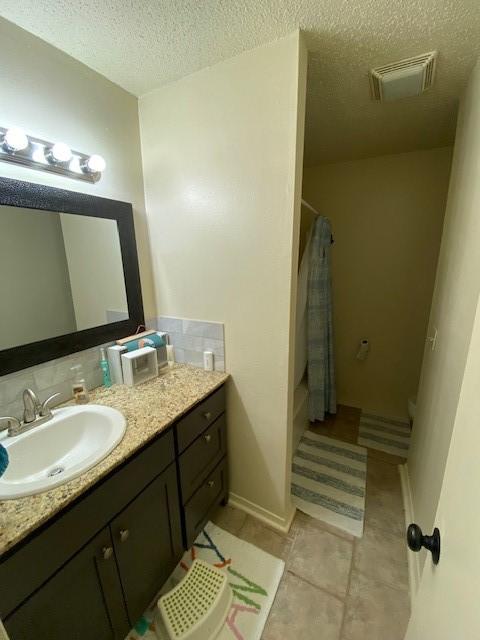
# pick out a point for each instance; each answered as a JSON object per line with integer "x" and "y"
{"x": 416, "y": 540}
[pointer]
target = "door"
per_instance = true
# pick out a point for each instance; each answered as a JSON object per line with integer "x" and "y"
{"x": 82, "y": 600}
{"x": 147, "y": 539}
{"x": 447, "y": 602}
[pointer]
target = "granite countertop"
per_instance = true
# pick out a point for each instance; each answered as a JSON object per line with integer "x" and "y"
{"x": 149, "y": 409}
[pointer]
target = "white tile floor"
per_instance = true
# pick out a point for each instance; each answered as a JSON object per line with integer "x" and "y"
{"x": 337, "y": 587}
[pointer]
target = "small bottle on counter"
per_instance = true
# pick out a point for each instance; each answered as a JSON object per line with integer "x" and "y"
{"x": 105, "y": 367}
{"x": 170, "y": 355}
{"x": 79, "y": 386}
{"x": 208, "y": 361}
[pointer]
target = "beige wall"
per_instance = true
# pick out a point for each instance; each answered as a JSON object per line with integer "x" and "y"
{"x": 219, "y": 152}
{"x": 294, "y": 417}
{"x": 387, "y": 215}
{"x": 453, "y": 311}
{"x": 54, "y": 97}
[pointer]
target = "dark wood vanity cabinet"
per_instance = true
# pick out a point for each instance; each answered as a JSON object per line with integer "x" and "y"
{"x": 93, "y": 571}
{"x": 82, "y": 600}
{"x": 147, "y": 540}
{"x": 103, "y": 590}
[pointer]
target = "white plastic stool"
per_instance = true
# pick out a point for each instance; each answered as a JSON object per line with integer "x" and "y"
{"x": 196, "y": 609}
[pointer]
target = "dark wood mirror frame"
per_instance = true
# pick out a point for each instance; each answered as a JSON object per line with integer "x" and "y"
{"x": 16, "y": 193}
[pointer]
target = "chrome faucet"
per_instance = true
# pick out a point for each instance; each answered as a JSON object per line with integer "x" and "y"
{"x": 35, "y": 413}
{"x": 31, "y": 405}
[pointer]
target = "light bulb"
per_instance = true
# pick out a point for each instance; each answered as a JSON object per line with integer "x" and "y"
{"x": 15, "y": 139}
{"x": 95, "y": 164}
{"x": 60, "y": 152}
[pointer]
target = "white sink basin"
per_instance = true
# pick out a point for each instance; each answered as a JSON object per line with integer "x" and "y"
{"x": 73, "y": 441}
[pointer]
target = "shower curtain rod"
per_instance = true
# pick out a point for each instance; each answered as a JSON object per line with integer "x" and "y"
{"x": 309, "y": 206}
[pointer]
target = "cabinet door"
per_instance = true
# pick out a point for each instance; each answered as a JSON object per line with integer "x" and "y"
{"x": 148, "y": 541}
{"x": 82, "y": 600}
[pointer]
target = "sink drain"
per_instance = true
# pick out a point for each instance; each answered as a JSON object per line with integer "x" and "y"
{"x": 55, "y": 471}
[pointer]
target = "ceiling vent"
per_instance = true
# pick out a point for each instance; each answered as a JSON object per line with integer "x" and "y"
{"x": 403, "y": 79}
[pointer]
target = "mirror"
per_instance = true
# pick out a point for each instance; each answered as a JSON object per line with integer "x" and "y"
{"x": 61, "y": 273}
{"x": 69, "y": 274}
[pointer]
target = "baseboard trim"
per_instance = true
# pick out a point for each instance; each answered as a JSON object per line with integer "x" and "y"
{"x": 413, "y": 558}
{"x": 258, "y": 512}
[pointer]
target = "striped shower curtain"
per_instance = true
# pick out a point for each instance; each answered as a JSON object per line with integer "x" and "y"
{"x": 321, "y": 370}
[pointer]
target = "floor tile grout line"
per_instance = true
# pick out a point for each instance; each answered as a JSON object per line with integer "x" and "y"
{"x": 317, "y": 587}
{"x": 341, "y": 534}
{"x": 376, "y": 580}
{"x": 384, "y": 530}
{"x": 287, "y": 540}
{"x": 349, "y": 584}
{"x": 382, "y": 583}
{"x": 388, "y": 532}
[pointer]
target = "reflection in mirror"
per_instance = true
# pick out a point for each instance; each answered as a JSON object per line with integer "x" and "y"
{"x": 59, "y": 273}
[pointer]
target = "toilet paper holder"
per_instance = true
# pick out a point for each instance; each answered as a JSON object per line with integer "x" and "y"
{"x": 363, "y": 349}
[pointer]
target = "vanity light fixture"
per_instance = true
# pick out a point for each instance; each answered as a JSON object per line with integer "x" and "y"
{"x": 60, "y": 153}
{"x": 93, "y": 164}
{"x": 14, "y": 139}
{"x": 56, "y": 157}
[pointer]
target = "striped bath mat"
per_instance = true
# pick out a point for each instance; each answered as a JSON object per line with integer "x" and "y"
{"x": 328, "y": 481}
{"x": 384, "y": 434}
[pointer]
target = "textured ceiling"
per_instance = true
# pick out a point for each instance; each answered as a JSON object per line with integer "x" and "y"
{"x": 142, "y": 44}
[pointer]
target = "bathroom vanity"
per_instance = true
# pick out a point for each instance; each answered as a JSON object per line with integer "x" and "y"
{"x": 84, "y": 560}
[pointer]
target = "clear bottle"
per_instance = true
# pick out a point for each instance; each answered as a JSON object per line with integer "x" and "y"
{"x": 79, "y": 386}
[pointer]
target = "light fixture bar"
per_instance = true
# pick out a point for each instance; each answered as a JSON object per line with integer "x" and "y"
{"x": 54, "y": 157}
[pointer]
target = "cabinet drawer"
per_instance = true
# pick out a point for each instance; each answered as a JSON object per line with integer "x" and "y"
{"x": 202, "y": 416}
{"x": 204, "y": 500}
{"x": 202, "y": 456}
{"x": 27, "y": 568}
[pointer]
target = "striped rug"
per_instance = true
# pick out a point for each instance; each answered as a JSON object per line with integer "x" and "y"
{"x": 384, "y": 434}
{"x": 328, "y": 481}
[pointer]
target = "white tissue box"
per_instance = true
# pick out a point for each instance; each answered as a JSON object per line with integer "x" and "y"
{"x": 114, "y": 355}
{"x": 139, "y": 366}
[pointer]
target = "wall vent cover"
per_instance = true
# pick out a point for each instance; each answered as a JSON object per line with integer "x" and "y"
{"x": 403, "y": 79}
